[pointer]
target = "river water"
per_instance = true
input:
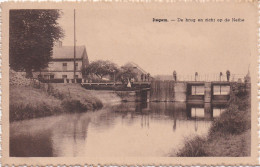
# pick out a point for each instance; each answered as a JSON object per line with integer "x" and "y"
{"x": 124, "y": 129}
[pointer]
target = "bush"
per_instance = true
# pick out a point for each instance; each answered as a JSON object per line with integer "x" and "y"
{"x": 193, "y": 148}
{"x": 74, "y": 106}
{"x": 72, "y": 95}
{"x": 232, "y": 121}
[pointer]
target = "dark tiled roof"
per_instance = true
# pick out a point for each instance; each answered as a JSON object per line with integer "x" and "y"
{"x": 67, "y": 52}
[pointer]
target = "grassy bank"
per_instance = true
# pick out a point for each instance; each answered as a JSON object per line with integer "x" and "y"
{"x": 39, "y": 100}
{"x": 48, "y": 99}
{"x": 28, "y": 102}
{"x": 229, "y": 135}
{"x": 74, "y": 97}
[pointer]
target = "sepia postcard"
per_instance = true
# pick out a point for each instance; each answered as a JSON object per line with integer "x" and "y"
{"x": 130, "y": 83}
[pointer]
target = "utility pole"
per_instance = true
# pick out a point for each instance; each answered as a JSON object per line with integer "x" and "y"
{"x": 74, "y": 44}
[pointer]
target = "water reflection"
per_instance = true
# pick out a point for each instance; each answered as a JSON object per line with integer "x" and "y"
{"x": 205, "y": 111}
{"x": 126, "y": 129}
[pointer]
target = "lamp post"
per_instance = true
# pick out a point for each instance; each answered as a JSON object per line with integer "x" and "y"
{"x": 196, "y": 75}
{"x": 114, "y": 77}
{"x": 220, "y": 76}
{"x": 74, "y": 60}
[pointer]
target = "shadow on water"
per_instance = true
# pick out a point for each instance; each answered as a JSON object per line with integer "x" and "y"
{"x": 125, "y": 129}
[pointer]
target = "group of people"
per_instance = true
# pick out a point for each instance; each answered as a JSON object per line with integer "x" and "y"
{"x": 145, "y": 77}
{"x": 196, "y": 74}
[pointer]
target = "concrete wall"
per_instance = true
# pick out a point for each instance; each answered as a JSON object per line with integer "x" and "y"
{"x": 129, "y": 96}
{"x": 162, "y": 91}
{"x": 208, "y": 92}
{"x": 168, "y": 91}
{"x": 180, "y": 91}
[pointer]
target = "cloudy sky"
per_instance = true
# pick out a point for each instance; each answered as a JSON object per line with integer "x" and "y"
{"x": 126, "y": 33}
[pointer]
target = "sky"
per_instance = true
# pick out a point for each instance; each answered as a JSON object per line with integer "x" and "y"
{"x": 126, "y": 33}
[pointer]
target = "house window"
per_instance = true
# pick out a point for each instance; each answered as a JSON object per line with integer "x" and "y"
{"x": 76, "y": 66}
{"x": 197, "y": 90}
{"x": 221, "y": 90}
{"x": 64, "y": 76}
{"x": 46, "y": 76}
{"x": 76, "y": 76}
{"x": 52, "y": 76}
{"x": 64, "y": 66}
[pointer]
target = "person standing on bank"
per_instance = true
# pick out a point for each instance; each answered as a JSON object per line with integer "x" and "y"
{"x": 174, "y": 75}
{"x": 228, "y": 75}
{"x": 220, "y": 76}
{"x": 196, "y": 76}
{"x": 142, "y": 77}
{"x": 148, "y": 77}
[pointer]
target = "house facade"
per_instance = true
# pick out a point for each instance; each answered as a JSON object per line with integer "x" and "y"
{"x": 62, "y": 64}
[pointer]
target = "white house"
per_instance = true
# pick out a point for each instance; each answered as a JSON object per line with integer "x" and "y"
{"x": 62, "y": 64}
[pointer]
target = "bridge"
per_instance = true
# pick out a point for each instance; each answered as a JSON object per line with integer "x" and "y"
{"x": 190, "y": 91}
{"x": 169, "y": 91}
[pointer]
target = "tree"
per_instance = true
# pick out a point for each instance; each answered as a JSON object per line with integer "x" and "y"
{"x": 32, "y": 36}
{"x": 100, "y": 68}
{"x": 126, "y": 74}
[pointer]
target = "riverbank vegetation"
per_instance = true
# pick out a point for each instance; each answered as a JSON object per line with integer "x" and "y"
{"x": 31, "y": 99}
{"x": 229, "y": 134}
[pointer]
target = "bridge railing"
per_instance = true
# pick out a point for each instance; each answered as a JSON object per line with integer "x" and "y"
{"x": 211, "y": 77}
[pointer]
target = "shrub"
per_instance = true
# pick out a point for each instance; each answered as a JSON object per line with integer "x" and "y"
{"x": 232, "y": 121}
{"x": 74, "y": 106}
{"x": 193, "y": 148}
{"x": 73, "y": 94}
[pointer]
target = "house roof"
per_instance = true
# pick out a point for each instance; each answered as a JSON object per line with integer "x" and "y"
{"x": 132, "y": 64}
{"x": 67, "y": 52}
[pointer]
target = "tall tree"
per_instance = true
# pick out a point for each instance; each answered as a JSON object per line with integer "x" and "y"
{"x": 32, "y": 36}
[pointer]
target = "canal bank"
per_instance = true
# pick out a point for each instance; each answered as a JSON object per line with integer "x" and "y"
{"x": 32, "y": 99}
{"x": 229, "y": 134}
